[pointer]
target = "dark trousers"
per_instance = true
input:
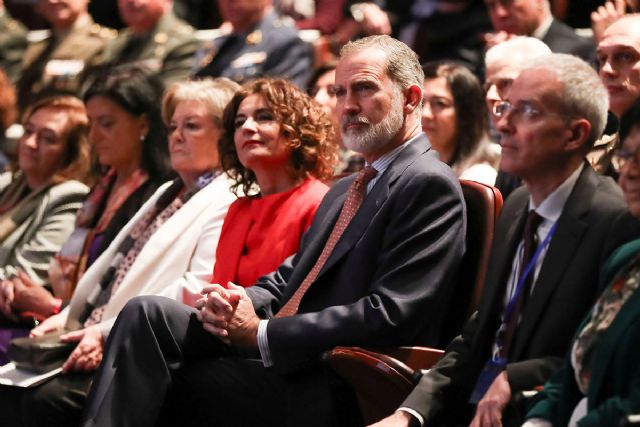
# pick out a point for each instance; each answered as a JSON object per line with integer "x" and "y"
{"x": 57, "y": 402}
{"x": 162, "y": 368}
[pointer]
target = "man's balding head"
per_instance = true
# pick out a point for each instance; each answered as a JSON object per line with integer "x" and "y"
{"x": 504, "y": 62}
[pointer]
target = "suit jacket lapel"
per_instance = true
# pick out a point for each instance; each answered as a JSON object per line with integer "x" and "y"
{"x": 564, "y": 244}
{"x": 373, "y": 201}
{"x": 503, "y": 250}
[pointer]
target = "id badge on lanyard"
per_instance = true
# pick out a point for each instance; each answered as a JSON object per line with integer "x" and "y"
{"x": 491, "y": 370}
{"x": 496, "y": 364}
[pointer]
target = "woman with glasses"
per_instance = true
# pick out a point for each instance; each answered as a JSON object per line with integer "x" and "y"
{"x": 454, "y": 118}
{"x": 599, "y": 382}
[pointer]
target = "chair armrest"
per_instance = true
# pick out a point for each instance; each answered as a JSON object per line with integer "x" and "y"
{"x": 417, "y": 358}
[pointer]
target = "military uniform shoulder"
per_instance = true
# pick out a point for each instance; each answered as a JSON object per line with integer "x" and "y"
{"x": 277, "y": 27}
{"x": 97, "y": 30}
{"x": 181, "y": 28}
{"x": 170, "y": 23}
{"x": 14, "y": 26}
{"x": 282, "y": 22}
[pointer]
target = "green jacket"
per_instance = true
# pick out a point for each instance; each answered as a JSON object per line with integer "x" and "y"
{"x": 13, "y": 42}
{"x": 614, "y": 388}
{"x": 168, "y": 49}
{"x": 58, "y": 64}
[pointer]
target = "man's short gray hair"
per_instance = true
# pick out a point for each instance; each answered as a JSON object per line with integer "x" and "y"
{"x": 583, "y": 95}
{"x": 402, "y": 64}
{"x": 516, "y": 51}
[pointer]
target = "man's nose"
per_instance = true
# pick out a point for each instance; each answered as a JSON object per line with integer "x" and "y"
{"x": 607, "y": 69}
{"x": 504, "y": 123}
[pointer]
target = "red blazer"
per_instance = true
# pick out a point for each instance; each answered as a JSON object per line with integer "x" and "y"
{"x": 259, "y": 233}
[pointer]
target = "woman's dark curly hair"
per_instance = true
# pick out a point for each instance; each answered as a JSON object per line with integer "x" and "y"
{"x": 306, "y": 128}
{"x": 469, "y": 103}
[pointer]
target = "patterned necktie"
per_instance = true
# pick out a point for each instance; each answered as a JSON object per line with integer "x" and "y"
{"x": 530, "y": 245}
{"x": 352, "y": 203}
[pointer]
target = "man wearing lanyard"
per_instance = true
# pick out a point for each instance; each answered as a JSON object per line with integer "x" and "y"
{"x": 375, "y": 267}
{"x": 552, "y": 237}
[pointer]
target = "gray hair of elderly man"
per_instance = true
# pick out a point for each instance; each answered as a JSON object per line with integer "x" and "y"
{"x": 402, "y": 63}
{"x": 582, "y": 95}
{"x": 516, "y": 51}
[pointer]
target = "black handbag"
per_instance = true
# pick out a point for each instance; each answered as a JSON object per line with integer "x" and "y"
{"x": 40, "y": 354}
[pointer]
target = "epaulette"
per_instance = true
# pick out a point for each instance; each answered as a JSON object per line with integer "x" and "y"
{"x": 103, "y": 32}
{"x": 12, "y": 25}
{"x": 184, "y": 29}
{"x": 161, "y": 37}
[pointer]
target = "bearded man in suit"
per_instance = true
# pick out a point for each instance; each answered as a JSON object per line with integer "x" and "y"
{"x": 371, "y": 273}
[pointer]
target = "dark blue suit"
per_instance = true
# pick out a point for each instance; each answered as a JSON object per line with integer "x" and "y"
{"x": 271, "y": 49}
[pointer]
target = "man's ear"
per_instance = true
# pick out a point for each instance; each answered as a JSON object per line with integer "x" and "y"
{"x": 579, "y": 131}
{"x": 413, "y": 97}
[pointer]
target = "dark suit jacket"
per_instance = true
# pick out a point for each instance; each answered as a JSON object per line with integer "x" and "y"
{"x": 563, "y": 39}
{"x": 593, "y": 223}
{"x": 614, "y": 389}
{"x": 272, "y": 49}
{"x": 389, "y": 276}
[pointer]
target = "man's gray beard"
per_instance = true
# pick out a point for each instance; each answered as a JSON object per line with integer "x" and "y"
{"x": 375, "y": 137}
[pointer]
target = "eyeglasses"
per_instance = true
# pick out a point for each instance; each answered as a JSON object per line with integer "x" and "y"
{"x": 621, "y": 157}
{"x": 523, "y": 111}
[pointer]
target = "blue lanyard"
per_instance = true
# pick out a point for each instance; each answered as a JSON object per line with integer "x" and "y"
{"x": 523, "y": 277}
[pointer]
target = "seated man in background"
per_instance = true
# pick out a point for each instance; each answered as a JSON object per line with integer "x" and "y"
{"x": 534, "y": 298}
{"x": 13, "y": 42}
{"x": 619, "y": 69}
{"x": 154, "y": 38}
{"x": 56, "y": 63}
{"x": 619, "y": 63}
{"x": 503, "y": 63}
{"x": 376, "y": 267}
{"x": 260, "y": 45}
{"x": 533, "y": 18}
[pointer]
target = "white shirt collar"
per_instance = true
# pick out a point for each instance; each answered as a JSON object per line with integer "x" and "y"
{"x": 382, "y": 162}
{"x": 551, "y": 207}
{"x": 542, "y": 30}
